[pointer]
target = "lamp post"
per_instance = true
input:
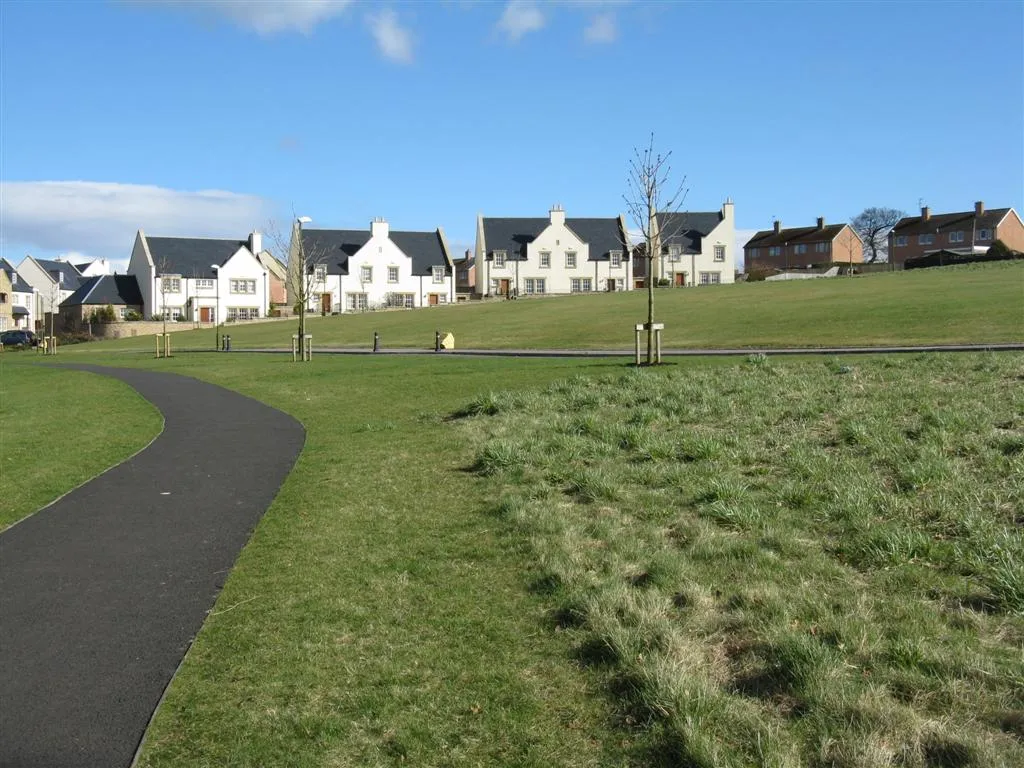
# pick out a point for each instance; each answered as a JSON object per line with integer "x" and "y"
{"x": 301, "y": 280}
{"x": 216, "y": 312}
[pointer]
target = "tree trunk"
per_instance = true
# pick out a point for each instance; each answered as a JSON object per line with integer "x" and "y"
{"x": 650, "y": 308}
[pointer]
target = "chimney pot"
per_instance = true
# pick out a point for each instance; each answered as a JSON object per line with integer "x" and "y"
{"x": 821, "y": 222}
{"x": 379, "y": 227}
{"x": 926, "y": 212}
{"x": 979, "y": 208}
{"x": 778, "y": 227}
{"x": 557, "y": 214}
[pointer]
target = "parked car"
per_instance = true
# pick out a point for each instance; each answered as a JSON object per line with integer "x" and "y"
{"x": 18, "y": 338}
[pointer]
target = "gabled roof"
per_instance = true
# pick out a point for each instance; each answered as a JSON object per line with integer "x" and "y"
{"x": 18, "y": 284}
{"x": 191, "y": 256}
{"x": 106, "y": 289}
{"x": 795, "y": 235}
{"x": 72, "y": 277}
{"x": 83, "y": 266}
{"x": 425, "y": 249}
{"x": 686, "y": 228}
{"x": 944, "y": 222}
{"x": 512, "y": 235}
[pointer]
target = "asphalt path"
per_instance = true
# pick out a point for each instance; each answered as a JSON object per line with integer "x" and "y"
{"x": 103, "y": 591}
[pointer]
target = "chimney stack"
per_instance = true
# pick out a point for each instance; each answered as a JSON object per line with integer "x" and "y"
{"x": 557, "y": 214}
{"x": 821, "y": 222}
{"x": 255, "y": 243}
{"x": 926, "y": 213}
{"x": 979, "y": 208}
{"x": 778, "y": 227}
{"x": 379, "y": 227}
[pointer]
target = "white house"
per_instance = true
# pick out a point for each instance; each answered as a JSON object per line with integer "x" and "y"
{"x": 696, "y": 248}
{"x": 200, "y": 279}
{"x": 52, "y": 282}
{"x": 23, "y": 298}
{"x": 553, "y": 255}
{"x": 94, "y": 268}
{"x": 355, "y": 270}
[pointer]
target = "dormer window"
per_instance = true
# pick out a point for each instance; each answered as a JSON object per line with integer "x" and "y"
{"x": 321, "y": 273}
{"x": 438, "y": 274}
{"x": 616, "y": 259}
{"x": 499, "y": 259}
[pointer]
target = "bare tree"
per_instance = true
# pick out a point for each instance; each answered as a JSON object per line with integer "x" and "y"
{"x": 873, "y": 225}
{"x": 651, "y": 190}
{"x": 304, "y": 256}
{"x": 162, "y": 267}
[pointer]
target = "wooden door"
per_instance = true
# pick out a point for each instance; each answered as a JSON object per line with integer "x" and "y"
{"x": 503, "y": 288}
{"x": 432, "y": 299}
{"x": 206, "y": 314}
{"x": 680, "y": 279}
{"x": 325, "y": 303}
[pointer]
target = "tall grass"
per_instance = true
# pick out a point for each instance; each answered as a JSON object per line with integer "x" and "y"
{"x": 783, "y": 564}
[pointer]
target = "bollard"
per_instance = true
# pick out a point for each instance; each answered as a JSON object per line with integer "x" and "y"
{"x": 376, "y": 342}
{"x": 437, "y": 341}
{"x": 227, "y": 343}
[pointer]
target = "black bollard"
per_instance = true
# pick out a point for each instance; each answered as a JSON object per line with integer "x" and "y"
{"x": 376, "y": 342}
{"x": 227, "y": 343}
{"x": 437, "y": 341}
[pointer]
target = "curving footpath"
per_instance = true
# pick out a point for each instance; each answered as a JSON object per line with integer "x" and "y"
{"x": 103, "y": 591}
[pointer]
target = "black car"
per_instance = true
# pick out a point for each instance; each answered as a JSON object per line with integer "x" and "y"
{"x": 18, "y": 338}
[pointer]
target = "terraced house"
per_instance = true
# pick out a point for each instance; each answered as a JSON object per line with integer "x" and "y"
{"x": 201, "y": 279}
{"x": 23, "y": 298}
{"x": 803, "y": 247}
{"x": 534, "y": 256}
{"x": 964, "y": 233}
{"x": 52, "y": 281}
{"x": 694, "y": 248}
{"x": 354, "y": 270}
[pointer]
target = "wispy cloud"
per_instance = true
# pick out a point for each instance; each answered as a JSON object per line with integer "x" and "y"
{"x": 393, "y": 40}
{"x": 100, "y": 218}
{"x": 267, "y": 17}
{"x": 601, "y": 29}
{"x": 520, "y": 18}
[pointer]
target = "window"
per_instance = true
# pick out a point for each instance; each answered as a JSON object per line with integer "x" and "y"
{"x": 754, "y": 252}
{"x": 243, "y": 286}
{"x": 719, "y": 253}
{"x": 901, "y": 240}
{"x": 243, "y": 313}
{"x": 438, "y": 273}
{"x": 984, "y": 234}
{"x": 365, "y": 275}
{"x": 925, "y": 239}
{"x": 799, "y": 249}
{"x": 321, "y": 273}
{"x": 3, "y": 298}
{"x": 528, "y": 285}
{"x": 122, "y": 312}
{"x": 404, "y": 300}
{"x": 775, "y": 250}
{"x": 392, "y": 274}
{"x": 673, "y": 252}
{"x": 499, "y": 259}
{"x": 710, "y": 278}
{"x": 956, "y": 237}
{"x": 570, "y": 259}
{"x": 442, "y": 298}
{"x": 463, "y": 274}
{"x": 822, "y": 247}
{"x": 204, "y": 283}
{"x": 580, "y": 284}
{"x": 616, "y": 259}
{"x": 170, "y": 285}
{"x": 534, "y": 285}
{"x": 545, "y": 259}
{"x": 495, "y": 285}
{"x": 356, "y": 301}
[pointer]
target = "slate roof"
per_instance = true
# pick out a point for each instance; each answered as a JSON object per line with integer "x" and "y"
{"x": 191, "y": 256}
{"x": 19, "y": 310}
{"x": 83, "y": 266}
{"x": 944, "y": 222}
{"x": 423, "y": 248}
{"x": 18, "y": 284}
{"x": 687, "y": 228}
{"x": 72, "y": 277}
{"x": 795, "y": 235}
{"x": 106, "y": 289}
{"x": 512, "y": 235}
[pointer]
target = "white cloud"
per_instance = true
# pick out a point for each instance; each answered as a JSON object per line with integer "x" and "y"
{"x": 393, "y": 40}
{"x": 520, "y": 18}
{"x": 742, "y": 238}
{"x": 100, "y": 218}
{"x": 601, "y": 29}
{"x": 264, "y": 16}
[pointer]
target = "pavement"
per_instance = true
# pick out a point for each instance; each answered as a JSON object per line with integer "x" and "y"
{"x": 103, "y": 591}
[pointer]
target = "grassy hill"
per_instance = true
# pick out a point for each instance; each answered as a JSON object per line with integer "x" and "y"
{"x": 973, "y": 303}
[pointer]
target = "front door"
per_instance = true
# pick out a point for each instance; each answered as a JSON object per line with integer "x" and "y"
{"x": 432, "y": 300}
{"x": 206, "y": 314}
{"x": 325, "y": 303}
{"x": 503, "y": 288}
{"x": 680, "y": 279}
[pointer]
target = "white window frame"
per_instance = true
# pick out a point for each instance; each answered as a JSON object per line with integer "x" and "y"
{"x": 719, "y": 253}
{"x": 901, "y": 240}
{"x": 169, "y": 284}
{"x": 571, "y": 259}
{"x": 615, "y": 257}
{"x": 242, "y": 286}
{"x": 392, "y": 274}
{"x": 710, "y": 278}
{"x": 356, "y": 302}
{"x": 320, "y": 273}
{"x": 437, "y": 274}
{"x": 956, "y": 237}
{"x": 985, "y": 234}
{"x": 204, "y": 282}
{"x": 122, "y": 312}
{"x": 365, "y": 274}
{"x": 545, "y": 259}
{"x": 499, "y": 259}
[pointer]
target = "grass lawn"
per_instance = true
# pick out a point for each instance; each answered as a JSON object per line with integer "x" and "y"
{"x": 61, "y": 428}
{"x": 682, "y": 566}
{"x": 972, "y": 303}
{"x": 782, "y": 564}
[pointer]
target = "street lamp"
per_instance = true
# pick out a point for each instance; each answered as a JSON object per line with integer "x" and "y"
{"x": 216, "y": 314}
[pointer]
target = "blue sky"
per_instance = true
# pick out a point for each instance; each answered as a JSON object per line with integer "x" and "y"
{"x": 211, "y": 118}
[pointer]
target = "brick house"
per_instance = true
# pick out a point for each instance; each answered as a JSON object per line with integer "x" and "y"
{"x": 962, "y": 233}
{"x": 121, "y": 292}
{"x": 802, "y": 247}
